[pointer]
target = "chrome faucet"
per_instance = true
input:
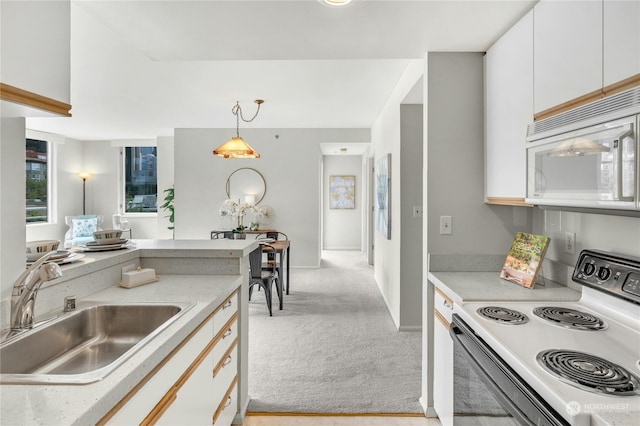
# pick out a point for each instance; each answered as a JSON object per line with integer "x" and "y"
{"x": 25, "y": 290}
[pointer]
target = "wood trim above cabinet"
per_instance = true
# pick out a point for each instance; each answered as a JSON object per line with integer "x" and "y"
{"x": 622, "y": 85}
{"x": 437, "y": 315}
{"x": 508, "y": 201}
{"x": 609, "y": 90}
{"x": 23, "y": 97}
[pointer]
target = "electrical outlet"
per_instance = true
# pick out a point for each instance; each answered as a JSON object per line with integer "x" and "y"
{"x": 570, "y": 242}
{"x": 417, "y": 211}
{"x": 445, "y": 225}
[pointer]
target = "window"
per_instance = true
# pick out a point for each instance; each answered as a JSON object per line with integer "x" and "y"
{"x": 141, "y": 179}
{"x": 37, "y": 178}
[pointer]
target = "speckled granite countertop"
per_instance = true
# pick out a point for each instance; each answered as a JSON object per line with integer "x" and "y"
{"x": 86, "y": 404}
{"x": 479, "y": 286}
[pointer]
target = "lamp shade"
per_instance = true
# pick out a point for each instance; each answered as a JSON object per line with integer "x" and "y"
{"x": 235, "y": 147}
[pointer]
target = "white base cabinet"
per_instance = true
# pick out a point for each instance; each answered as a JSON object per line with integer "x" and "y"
{"x": 196, "y": 385}
{"x": 442, "y": 359}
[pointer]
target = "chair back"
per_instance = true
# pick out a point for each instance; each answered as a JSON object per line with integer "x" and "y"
{"x": 225, "y": 234}
{"x": 276, "y": 235}
{"x": 255, "y": 263}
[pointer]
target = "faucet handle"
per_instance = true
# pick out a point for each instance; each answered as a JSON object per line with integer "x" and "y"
{"x": 69, "y": 303}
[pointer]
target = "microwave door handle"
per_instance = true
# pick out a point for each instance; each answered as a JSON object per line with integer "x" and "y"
{"x": 620, "y": 166}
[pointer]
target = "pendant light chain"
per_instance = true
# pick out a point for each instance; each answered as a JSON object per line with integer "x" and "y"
{"x": 237, "y": 111}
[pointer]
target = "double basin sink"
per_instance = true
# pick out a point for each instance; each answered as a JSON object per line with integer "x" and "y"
{"x": 86, "y": 345}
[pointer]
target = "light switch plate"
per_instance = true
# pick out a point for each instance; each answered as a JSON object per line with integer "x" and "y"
{"x": 445, "y": 225}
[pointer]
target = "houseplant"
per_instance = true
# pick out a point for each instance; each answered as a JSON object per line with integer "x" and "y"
{"x": 168, "y": 206}
{"x": 238, "y": 211}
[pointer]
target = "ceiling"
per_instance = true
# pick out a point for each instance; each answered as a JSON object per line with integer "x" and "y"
{"x": 139, "y": 69}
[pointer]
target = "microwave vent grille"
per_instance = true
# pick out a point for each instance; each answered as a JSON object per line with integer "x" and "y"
{"x": 611, "y": 107}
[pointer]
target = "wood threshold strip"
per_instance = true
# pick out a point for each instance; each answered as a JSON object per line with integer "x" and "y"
{"x": 289, "y": 414}
{"x": 23, "y": 97}
{"x": 508, "y": 201}
{"x": 609, "y": 90}
{"x": 136, "y": 388}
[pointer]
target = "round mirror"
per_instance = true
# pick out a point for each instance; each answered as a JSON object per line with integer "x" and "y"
{"x": 247, "y": 185}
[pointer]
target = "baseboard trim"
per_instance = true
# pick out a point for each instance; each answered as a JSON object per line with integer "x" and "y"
{"x": 288, "y": 414}
{"x": 410, "y": 328}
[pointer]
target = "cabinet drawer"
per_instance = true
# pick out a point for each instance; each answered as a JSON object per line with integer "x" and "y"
{"x": 443, "y": 304}
{"x": 224, "y": 373}
{"x": 225, "y": 311}
{"x": 227, "y": 409}
{"x": 225, "y": 340}
{"x": 145, "y": 399}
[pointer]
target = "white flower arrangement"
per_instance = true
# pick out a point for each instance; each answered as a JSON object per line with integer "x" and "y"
{"x": 237, "y": 210}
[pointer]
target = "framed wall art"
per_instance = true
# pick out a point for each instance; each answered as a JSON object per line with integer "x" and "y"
{"x": 383, "y": 195}
{"x": 342, "y": 192}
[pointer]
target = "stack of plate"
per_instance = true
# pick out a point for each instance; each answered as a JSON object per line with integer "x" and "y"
{"x": 62, "y": 257}
{"x": 115, "y": 244}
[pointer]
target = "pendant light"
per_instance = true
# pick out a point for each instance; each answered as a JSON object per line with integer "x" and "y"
{"x": 236, "y": 147}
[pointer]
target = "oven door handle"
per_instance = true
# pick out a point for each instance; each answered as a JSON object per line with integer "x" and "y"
{"x": 482, "y": 357}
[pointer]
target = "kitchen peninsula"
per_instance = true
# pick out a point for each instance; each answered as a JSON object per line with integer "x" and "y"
{"x": 209, "y": 275}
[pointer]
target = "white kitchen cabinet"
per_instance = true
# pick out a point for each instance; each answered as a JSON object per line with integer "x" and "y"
{"x": 35, "y": 58}
{"x": 194, "y": 382}
{"x": 621, "y": 40}
{"x": 508, "y": 111}
{"x": 442, "y": 358}
{"x": 567, "y": 50}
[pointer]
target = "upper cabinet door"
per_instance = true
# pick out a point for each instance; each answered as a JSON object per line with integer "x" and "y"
{"x": 567, "y": 51}
{"x": 621, "y": 40}
{"x": 35, "y": 55}
{"x": 508, "y": 109}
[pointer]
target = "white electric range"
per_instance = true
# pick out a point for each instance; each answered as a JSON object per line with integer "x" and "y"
{"x": 575, "y": 363}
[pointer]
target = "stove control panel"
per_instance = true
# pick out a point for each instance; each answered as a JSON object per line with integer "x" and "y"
{"x": 611, "y": 273}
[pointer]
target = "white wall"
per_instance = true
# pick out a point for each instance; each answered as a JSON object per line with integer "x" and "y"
{"x": 342, "y": 228}
{"x": 12, "y": 213}
{"x": 411, "y": 131}
{"x": 386, "y": 138}
{"x": 291, "y": 165}
{"x": 455, "y": 139}
{"x": 618, "y": 234}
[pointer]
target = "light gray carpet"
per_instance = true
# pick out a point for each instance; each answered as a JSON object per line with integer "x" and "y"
{"x": 334, "y": 347}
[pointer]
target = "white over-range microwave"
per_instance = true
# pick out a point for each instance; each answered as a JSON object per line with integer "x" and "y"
{"x": 587, "y": 157}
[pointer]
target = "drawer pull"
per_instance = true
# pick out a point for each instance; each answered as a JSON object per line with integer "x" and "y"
{"x": 228, "y": 402}
{"x": 227, "y": 361}
{"x": 447, "y": 304}
{"x": 227, "y": 334}
{"x": 228, "y": 304}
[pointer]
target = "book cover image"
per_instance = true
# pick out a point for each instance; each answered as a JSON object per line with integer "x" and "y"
{"x": 524, "y": 259}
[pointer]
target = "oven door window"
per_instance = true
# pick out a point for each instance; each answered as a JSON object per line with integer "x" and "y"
{"x": 487, "y": 391}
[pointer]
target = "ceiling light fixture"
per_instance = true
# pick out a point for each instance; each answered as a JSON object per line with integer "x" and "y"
{"x": 335, "y": 3}
{"x": 236, "y": 147}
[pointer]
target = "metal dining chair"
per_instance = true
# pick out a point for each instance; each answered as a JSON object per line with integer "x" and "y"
{"x": 271, "y": 261}
{"x": 219, "y": 235}
{"x": 264, "y": 278}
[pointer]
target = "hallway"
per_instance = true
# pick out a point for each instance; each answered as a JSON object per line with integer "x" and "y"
{"x": 334, "y": 348}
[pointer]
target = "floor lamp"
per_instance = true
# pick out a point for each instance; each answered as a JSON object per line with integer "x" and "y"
{"x": 84, "y": 176}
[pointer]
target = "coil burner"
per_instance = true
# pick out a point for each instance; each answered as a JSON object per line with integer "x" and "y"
{"x": 570, "y": 318}
{"x": 503, "y": 315}
{"x": 589, "y": 372}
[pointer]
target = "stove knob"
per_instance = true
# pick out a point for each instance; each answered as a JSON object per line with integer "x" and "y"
{"x": 588, "y": 269}
{"x": 604, "y": 273}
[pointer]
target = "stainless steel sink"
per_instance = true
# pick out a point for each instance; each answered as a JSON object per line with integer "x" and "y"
{"x": 86, "y": 345}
